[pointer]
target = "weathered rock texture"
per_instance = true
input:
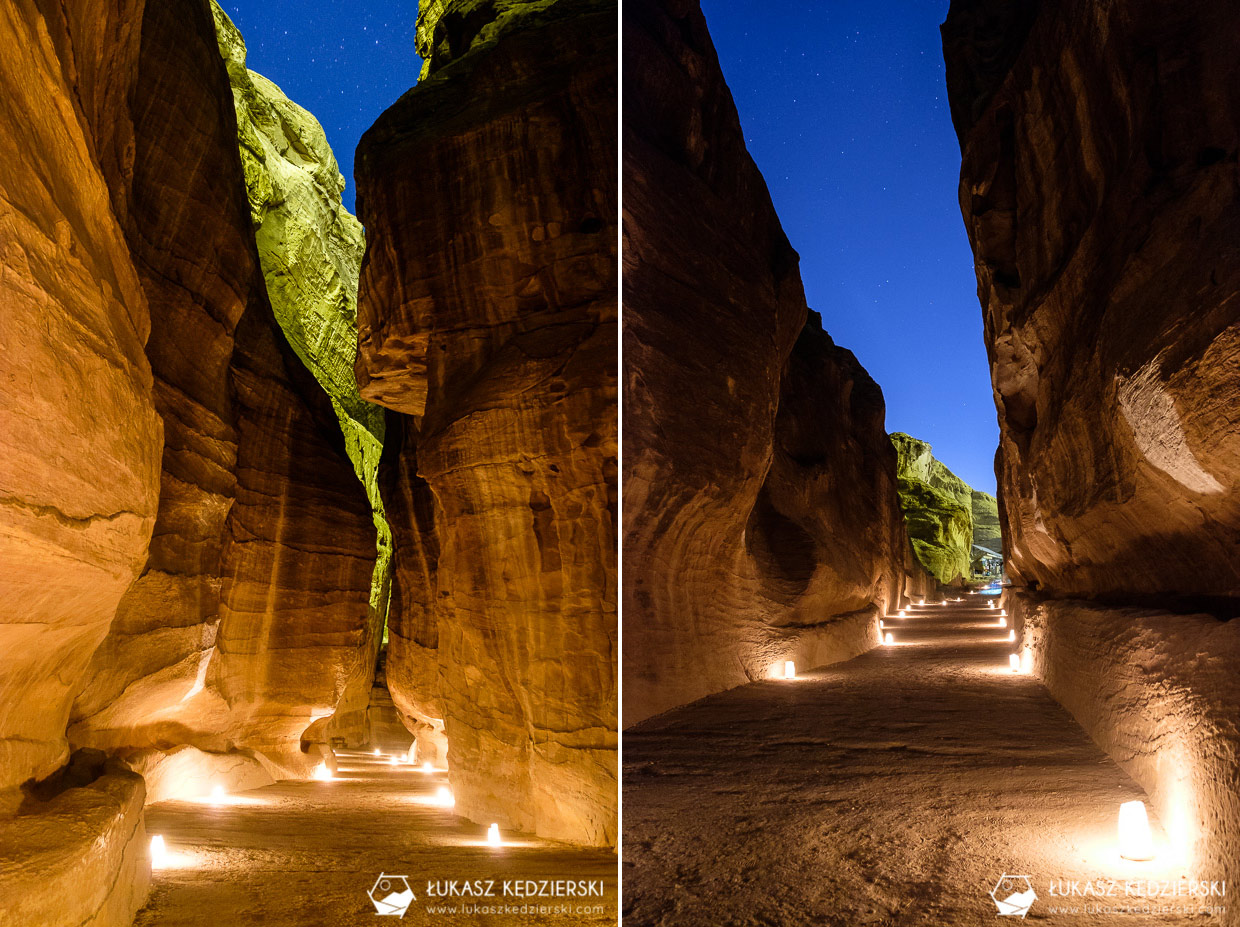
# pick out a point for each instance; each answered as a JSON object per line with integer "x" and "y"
{"x": 1106, "y": 241}
{"x": 77, "y": 852}
{"x": 251, "y": 613}
{"x": 487, "y": 318}
{"x": 945, "y": 516}
{"x": 75, "y": 386}
{"x": 310, "y": 248}
{"x": 760, "y": 514}
{"x": 1100, "y": 190}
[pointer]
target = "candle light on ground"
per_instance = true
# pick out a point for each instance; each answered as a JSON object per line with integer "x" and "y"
{"x": 1003, "y": 622}
{"x": 427, "y": 767}
{"x": 1014, "y": 662}
{"x": 493, "y": 838}
{"x": 889, "y": 639}
{"x": 1011, "y": 636}
{"x": 322, "y": 773}
{"x": 790, "y": 669}
{"x": 159, "y": 852}
{"x": 217, "y": 794}
{"x": 1135, "y": 840}
{"x": 444, "y": 797}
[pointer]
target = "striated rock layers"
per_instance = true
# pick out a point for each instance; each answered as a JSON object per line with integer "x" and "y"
{"x": 760, "y": 515}
{"x": 250, "y": 616}
{"x": 1100, "y": 190}
{"x": 310, "y": 248}
{"x": 487, "y": 321}
{"x": 945, "y": 516}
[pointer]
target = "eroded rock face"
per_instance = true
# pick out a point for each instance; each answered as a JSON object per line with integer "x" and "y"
{"x": 1105, "y": 244}
{"x": 310, "y": 248}
{"x": 761, "y": 521}
{"x": 487, "y": 318}
{"x": 945, "y": 516}
{"x": 1100, "y": 191}
{"x": 251, "y": 611}
{"x": 76, "y": 856}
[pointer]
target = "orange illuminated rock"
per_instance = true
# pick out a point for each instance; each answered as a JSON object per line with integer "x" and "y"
{"x": 487, "y": 318}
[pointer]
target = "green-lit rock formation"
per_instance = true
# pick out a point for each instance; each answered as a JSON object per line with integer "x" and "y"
{"x": 311, "y": 249}
{"x": 447, "y": 29}
{"x": 946, "y": 517}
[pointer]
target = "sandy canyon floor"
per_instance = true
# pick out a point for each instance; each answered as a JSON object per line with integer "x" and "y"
{"x": 896, "y": 788}
{"x": 305, "y": 854}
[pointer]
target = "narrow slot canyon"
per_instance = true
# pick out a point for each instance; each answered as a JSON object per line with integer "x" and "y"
{"x": 857, "y": 688}
{"x": 307, "y": 520}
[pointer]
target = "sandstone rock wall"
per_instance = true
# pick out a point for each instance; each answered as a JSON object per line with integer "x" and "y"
{"x": 760, "y": 513}
{"x": 75, "y": 386}
{"x": 77, "y": 855}
{"x": 310, "y": 249}
{"x": 251, "y": 607}
{"x": 487, "y": 319}
{"x": 1159, "y": 692}
{"x": 1100, "y": 190}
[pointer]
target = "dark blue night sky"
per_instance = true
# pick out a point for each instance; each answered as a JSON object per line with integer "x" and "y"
{"x": 845, "y": 112}
{"x": 346, "y": 61}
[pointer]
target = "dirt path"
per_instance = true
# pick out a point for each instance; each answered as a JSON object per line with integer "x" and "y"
{"x": 892, "y": 789}
{"x": 304, "y": 854}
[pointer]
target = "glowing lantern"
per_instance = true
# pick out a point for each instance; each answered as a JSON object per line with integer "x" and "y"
{"x": 889, "y": 639}
{"x": 903, "y": 613}
{"x": 1003, "y": 622}
{"x": 393, "y": 761}
{"x": 217, "y": 794}
{"x": 159, "y": 852}
{"x": 1003, "y": 611}
{"x": 378, "y": 752}
{"x": 1011, "y": 637}
{"x": 1014, "y": 662}
{"x": 790, "y": 669}
{"x": 493, "y": 836}
{"x": 444, "y": 797}
{"x": 880, "y": 624}
{"x": 322, "y": 773}
{"x": 427, "y": 767}
{"x": 1135, "y": 840}
{"x": 990, "y": 604}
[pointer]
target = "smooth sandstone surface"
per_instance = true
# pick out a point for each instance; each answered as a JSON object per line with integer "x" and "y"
{"x": 761, "y": 521}
{"x": 487, "y": 320}
{"x": 1100, "y": 192}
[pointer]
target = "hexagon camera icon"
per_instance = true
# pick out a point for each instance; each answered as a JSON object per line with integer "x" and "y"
{"x": 391, "y": 895}
{"x": 1013, "y": 895}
